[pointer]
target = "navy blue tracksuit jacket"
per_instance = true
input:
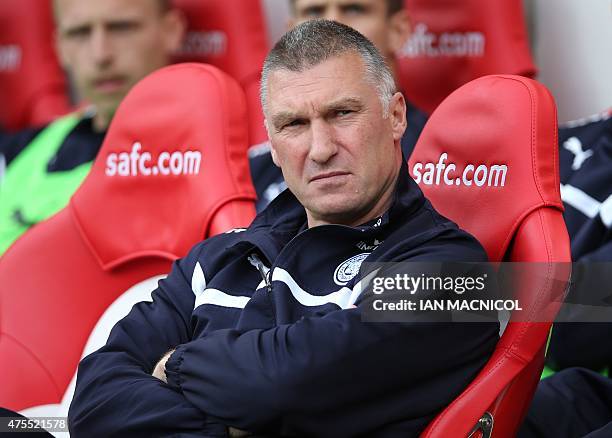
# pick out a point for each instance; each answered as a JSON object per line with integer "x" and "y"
{"x": 269, "y": 338}
{"x": 586, "y": 180}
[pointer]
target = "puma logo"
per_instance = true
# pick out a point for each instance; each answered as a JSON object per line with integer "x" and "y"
{"x": 574, "y": 145}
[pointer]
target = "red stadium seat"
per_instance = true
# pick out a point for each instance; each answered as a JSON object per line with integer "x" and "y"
{"x": 455, "y": 41}
{"x": 499, "y": 180}
{"x": 231, "y": 35}
{"x": 172, "y": 170}
{"x": 33, "y": 88}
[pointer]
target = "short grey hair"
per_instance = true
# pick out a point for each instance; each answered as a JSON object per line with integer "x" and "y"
{"x": 315, "y": 41}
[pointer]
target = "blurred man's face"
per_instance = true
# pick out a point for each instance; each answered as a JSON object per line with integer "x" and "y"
{"x": 339, "y": 155}
{"x": 109, "y": 45}
{"x": 369, "y": 17}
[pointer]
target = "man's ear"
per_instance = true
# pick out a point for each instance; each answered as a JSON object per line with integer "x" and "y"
{"x": 174, "y": 28}
{"x": 60, "y": 50}
{"x": 397, "y": 115}
{"x": 399, "y": 30}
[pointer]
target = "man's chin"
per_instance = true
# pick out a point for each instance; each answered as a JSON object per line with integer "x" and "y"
{"x": 104, "y": 112}
{"x": 108, "y": 102}
{"x": 343, "y": 213}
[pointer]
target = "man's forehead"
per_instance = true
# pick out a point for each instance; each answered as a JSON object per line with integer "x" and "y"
{"x": 294, "y": 102}
{"x": 347, "y": 63}
{"x": 68, "y": 12}
{"x": 345, "y": 72}
{"x": 308, "y": 3}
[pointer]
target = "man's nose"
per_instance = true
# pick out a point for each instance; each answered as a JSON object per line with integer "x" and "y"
{"x": 323, "y": 145}
{"x": 101, "y": 47}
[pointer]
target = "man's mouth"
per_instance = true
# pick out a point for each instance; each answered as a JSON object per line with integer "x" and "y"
{"x": 110, "y": 84}
{"x": 328, "y": 176}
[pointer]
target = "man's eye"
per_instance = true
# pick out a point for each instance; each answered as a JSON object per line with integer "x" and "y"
{"x": 293, "y": 123}
{"x": 343, "y": 112}
{"x": 354, "y": 9}
{"x": 313, "y": 12}
{"x": 122, "y": 26}
{"x": 77, "y": 33}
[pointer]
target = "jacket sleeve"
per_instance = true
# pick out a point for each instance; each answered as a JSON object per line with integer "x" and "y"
{"x": 12, "y": 144}
{"x": 332, "y": 375}
{"x": 115, "y": 392}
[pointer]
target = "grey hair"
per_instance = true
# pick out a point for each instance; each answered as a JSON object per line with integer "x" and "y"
{"x": 315, "y": 41}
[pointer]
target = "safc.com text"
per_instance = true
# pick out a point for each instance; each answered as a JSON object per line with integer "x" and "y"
{"x": 448, "y": 174}
{"x": 137, "y": 163}
{"x": 424, "y": 43}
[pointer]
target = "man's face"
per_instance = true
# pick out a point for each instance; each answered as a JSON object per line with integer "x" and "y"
{"x": 369, "y": 17}
{"x": 339, "y": 156}
{"x": 109, "y": 45}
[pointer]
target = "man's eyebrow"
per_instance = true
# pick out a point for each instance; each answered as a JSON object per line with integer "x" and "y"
{"x": 353, "y": 5}
{"x": 344, "y": 103}
{"x": 312, "y": 9}
{"x": 74, "y": 29}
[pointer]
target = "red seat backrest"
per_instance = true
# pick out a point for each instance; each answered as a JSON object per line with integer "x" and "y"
{"x": 172, "y": 170}
{"x": 33, "y": 88}
{"x": 455, "y": 41}
{"x": 231, "y": 35}
{"x": 500, "y": 182}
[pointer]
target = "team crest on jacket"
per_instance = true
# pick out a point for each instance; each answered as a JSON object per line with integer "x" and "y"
{"x": 347, "y": 270}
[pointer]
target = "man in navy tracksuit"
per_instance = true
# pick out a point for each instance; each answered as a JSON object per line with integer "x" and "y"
{"x": 260, "y": 330}
{"x": 586, "y": 188}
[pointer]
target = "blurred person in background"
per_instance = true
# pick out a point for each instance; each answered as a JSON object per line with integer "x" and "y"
{"x": 386, "y": 24}
{"x": 577, "y": 400}
{"x": 106, "y": 47}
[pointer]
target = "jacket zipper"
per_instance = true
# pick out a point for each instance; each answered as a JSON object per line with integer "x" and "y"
{"x": 263, "y": 270}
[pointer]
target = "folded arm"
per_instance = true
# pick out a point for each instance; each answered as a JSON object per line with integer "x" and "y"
{"x": 116, "y": 393}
